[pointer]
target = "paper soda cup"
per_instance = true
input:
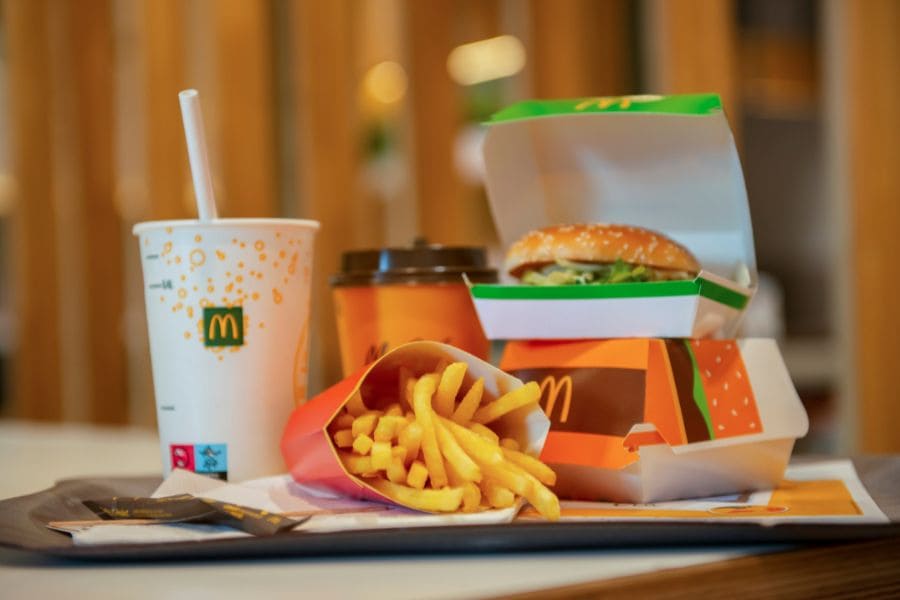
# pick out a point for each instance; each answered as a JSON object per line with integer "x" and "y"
{"x": 228, "y": 318}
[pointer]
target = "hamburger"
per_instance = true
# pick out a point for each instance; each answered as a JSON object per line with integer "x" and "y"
{"x": 586, "y": 254}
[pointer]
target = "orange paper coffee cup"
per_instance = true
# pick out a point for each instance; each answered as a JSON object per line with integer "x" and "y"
{"x": 386, "y": 298}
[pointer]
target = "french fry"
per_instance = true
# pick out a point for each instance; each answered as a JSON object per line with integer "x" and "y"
{"x": 396, "y": 472}
{"x": 398, "y": 452}
{"x": 343, "y": 438}
{"x": 387, "y": 427}
{"x": 485, "y": 432}
{"x": 394, "y": 410}
{"x": 462, "y": 465}
{"x": 454, "y": 479}
{"x": 443, "y": 500}
{"x": 542, "y": 499}
{"x": 362, "y": 444}
{"x": 425, "y": 416}
{"x": 381, "y": 455}
{"x": 471, "y": 497}
{"x": 509, "y": 444}
{"x": 364, "y": 424}
{"x": 508, "y": 476}
{"x": 451, "y": 380}
{"x": 357, "y": 465}
{"x": 408, "y": 391}
{"x": 411, "y": 438}
{"x": 545, "y": 502}
{"x": 417, "y": 475}
{"x": 343, "y": 421}
{"x": 440, "y": 366}
{"x": 403, "y": 377}
{"x": 519, "y": 397}
{"x": 480, "y": 450}
{"x": 496, "y": 495}
{"x": 384, "y": 431}
{"x": 531, "y": 465}
{"x": 470, "y": 402}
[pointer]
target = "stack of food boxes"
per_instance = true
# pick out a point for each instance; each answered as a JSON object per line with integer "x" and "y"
{"x": 650, "y": 397}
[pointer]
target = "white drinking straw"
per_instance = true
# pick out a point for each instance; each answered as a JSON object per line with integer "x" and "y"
{"x": 196, "y": 144}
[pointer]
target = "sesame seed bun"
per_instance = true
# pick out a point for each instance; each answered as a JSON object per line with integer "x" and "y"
{"x": 598, "y": 243}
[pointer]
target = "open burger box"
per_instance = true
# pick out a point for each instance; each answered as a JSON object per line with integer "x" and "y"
{"x": 666, "y": 163}
{"x": 647, "y": 420}
{"x": 311, "y": 455}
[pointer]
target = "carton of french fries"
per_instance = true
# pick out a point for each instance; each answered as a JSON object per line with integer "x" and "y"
{"x": 428, "y": 427}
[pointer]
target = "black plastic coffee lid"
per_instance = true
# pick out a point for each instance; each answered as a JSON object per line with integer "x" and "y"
{"x": 420, "y": 263}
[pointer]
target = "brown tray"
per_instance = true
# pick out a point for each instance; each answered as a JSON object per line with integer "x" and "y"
{"x": 23, "y": 523}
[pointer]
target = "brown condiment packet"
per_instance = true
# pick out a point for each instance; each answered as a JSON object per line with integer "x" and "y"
{"x": 185, "y": 508}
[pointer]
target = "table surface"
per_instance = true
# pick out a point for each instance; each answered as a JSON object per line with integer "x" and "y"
{"x": 34, "y": 456}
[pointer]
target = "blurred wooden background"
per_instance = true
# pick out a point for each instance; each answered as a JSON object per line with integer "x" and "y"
{"x": 345, "y": 111}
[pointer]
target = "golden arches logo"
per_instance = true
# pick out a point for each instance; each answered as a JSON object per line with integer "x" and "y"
{"x": 622, "y": 102}
{"x": 553, "y": 386}
{"x": 224, "y": 326}
{"x": 603, "y": 103}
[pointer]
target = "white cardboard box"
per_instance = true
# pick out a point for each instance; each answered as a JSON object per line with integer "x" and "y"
{"x": 667, "y": 163}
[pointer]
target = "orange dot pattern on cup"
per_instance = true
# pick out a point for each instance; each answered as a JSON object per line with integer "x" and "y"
{"x": 241, "y": 273}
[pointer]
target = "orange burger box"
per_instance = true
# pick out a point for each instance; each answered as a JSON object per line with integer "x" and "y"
{"x": 310, "y": 453}
{"x": 648, "y": 420}
{"x": 666, "y": 163}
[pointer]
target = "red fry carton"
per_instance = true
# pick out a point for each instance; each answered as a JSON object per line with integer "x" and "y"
{"x": 647, "y": 420}
{"x": 307, "y": 445}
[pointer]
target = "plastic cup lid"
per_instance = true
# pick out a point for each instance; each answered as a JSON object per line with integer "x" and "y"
{"x": 420, "y": 263}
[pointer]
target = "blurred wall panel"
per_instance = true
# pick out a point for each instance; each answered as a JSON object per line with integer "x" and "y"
{"x": 480, "y": 19}
{"x": 436, "y": 113}
{"x": 132, "y": 197}
{"x": 388, "y": 214}
{"x": 872, "y": 89}
{"x": 693, "y": 49}
{"x": 90, "y": 36}
{"x": 580, "y": 48}
{"x": 36, "y": 365}
{"x": 163, "y": 41}
{"x": 328, "y": 156}
{"x": 244, "y": 49}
